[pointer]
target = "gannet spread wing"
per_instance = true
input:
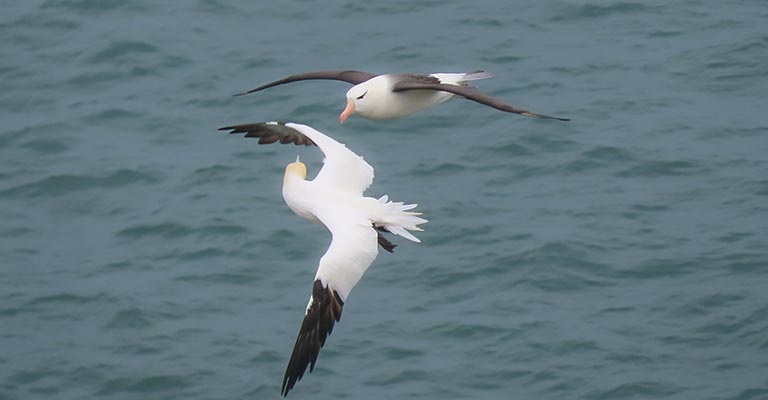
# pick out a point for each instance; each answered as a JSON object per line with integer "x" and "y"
{"x": 352, "y": 250}
{"x": 271, "y": 132}
{"x": 341, "y": 167}
{"x": 349, "y": 76}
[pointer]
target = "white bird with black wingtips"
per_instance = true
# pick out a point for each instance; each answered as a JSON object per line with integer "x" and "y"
{"x": 390, "y": 96}
{"x": 334, "y": 198}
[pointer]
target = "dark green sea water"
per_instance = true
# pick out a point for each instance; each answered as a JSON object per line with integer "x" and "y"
{"x": 623, "y": 255}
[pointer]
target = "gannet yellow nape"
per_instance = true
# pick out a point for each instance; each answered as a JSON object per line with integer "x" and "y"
{"x": 390, "y": 96}
{"x": 334, "y": 199}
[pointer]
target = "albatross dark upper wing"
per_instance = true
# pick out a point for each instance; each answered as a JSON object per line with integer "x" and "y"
{"x": 271, "y": 132}
{"x": 467, "y": 92}
{"x": 323, "y": 312}
{"x": 350, "y": 76}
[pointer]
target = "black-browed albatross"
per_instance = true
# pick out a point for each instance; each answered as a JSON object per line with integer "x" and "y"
{"x": 334, "y": 198}
{"x": 390, "y": 96}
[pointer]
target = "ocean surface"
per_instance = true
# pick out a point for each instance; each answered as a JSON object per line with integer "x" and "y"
{"x": 622, "y": 255}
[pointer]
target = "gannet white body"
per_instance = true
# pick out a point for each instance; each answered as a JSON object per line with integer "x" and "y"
{"x": 389, "y": 96}
{"x": 334, "y": 198}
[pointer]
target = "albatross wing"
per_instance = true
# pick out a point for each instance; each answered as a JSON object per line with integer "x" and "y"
{"x": 350, "y": 76}
{"x": 468, "y": 92}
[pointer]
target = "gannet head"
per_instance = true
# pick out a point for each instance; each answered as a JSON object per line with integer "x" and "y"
{"x": 296, "y": 169}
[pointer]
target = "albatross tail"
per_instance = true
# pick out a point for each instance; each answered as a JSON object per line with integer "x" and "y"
{"x": 395, "y": 217}
{"x": 462, "y": 78}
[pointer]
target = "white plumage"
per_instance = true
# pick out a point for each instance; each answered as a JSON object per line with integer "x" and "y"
{"x": 389, "y": 96}
{"x": 334, "y": 198}
{"x": 376, "y": 99}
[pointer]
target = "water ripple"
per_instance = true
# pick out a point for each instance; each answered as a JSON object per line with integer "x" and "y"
{"x": 150, "y": 385}
{"x": 639, "y": 388}
{"x": 131, "y": 318}
{"x": 590, "y": 11}
{"x": 177, "y": 230}
{"x": 91, "y": 6}
{"x": 60, "y": 185}
{"x": 620, "y": 255}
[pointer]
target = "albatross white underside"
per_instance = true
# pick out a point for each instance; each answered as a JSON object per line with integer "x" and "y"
{"x": 389, "y": 96}
{"x": 375, "y": 98}
{"x": 334, "y": 198}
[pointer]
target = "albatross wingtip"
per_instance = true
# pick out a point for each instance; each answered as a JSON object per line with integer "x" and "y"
{"x": 536, "y": 115}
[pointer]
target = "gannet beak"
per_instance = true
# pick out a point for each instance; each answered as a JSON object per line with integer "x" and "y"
{"x": 297, "y": 158}
{"x": 349, "y": 110}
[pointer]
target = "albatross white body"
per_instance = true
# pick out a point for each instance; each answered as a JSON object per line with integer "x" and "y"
{"x": 376, "y": 99}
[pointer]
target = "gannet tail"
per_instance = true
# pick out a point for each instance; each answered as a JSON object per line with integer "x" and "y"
{"x": 395, "y": 217}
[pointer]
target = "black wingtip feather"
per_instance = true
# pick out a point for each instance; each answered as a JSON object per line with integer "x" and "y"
{"x": 537, "y": 115}
{"x": 270, "y": 133}
{"x": 323, "y": 313}
{"x": 383, "y": 241}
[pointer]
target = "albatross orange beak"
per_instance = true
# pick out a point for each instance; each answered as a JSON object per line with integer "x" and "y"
{"x": 349, "y": 110}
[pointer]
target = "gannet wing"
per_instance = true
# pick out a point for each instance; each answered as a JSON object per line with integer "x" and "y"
{"x": 271, "y": 132}
{"x": 350, "y": 76}
{"x": 425, "y": 83}
{"x": 352, "y": 250}
{"x": 342, "y": 169}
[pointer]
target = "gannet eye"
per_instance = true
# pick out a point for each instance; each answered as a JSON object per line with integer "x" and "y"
{"x": 362, "y": 95}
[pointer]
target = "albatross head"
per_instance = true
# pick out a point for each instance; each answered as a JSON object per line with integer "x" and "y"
{"x": 296, "y": 169}
{"x": 368, "y": 99}
{"x": 355, "y": 101}
{"x": 372, "y": 99}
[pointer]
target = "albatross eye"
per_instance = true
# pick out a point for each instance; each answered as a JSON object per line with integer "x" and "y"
{"x": 362, "y": 95}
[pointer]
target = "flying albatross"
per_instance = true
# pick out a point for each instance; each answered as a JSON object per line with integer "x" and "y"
{"x": 334, "y": 199}
{"x": 390, "y": 96}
